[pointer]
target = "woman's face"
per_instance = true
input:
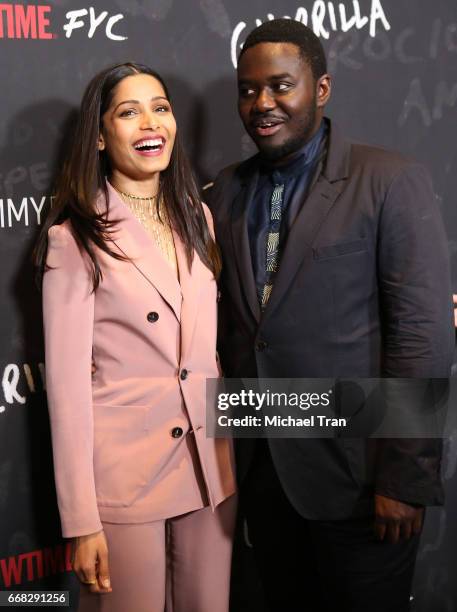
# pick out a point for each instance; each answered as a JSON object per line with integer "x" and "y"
{"x": 138, "y": 129}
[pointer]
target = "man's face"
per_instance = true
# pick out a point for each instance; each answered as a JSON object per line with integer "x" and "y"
{"x": 279, "y": 102}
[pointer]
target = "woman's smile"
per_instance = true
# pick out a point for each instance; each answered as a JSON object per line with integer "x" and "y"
{"x": 150, "y": 147}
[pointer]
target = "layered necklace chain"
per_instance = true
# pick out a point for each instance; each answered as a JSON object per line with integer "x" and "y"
{"x": 154, "y": 218}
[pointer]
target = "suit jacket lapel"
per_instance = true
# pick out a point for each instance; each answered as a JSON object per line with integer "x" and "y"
{"x": 131, "y": 238}
{"x": 311, "y": 216}
{"x": 190, "y": 285}
{"x": 241, "y": 248}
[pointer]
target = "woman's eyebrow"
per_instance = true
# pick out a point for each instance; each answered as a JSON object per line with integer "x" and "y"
{"x": 137, "y": 101}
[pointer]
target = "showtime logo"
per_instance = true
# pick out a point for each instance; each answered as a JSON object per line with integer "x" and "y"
{"x": 36, "y": 564}
{"x": 24, "y": 21}
{"x": 34, "y": 21}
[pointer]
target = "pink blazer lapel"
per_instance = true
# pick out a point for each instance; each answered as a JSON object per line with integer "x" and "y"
{"x": 133, "y": 241}
{"x": 190, "y": 282}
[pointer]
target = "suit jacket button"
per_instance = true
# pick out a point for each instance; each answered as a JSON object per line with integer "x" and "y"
{"x": 184, "y": 374}
{"x": 177, "y": 432}
{"x": 152, "y": 317}
{"x": 261, "y": 345}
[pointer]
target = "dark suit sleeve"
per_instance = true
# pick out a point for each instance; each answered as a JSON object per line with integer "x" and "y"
{"x": 417, "y": 320}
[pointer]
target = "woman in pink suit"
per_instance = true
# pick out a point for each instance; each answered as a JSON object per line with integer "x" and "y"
{"x": 129, "y": 304}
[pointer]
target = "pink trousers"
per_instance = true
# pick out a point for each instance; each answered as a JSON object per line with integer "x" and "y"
{"x": 181, "y": 564}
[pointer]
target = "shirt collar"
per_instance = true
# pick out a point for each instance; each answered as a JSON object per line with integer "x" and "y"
{"x": 301, "y": 158}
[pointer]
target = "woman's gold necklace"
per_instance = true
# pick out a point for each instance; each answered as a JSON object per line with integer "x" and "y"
{"x": 144, "y": 208}
{"x": 156, "y": 222}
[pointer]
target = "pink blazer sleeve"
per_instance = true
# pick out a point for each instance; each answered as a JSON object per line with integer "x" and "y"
{"x": 68, "y": 313}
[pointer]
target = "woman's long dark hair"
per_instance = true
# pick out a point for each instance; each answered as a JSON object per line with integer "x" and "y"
{"x": 83, "y": 177}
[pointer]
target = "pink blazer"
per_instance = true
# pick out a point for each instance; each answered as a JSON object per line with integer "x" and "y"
{"x": 126, "y": 440}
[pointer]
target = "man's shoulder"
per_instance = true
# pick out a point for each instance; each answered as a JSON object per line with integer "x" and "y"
{"x": 228, "y": 182}
{"x": 226, "y": 176}
{"x": 381, "y": 173}
{"x": 379, "y": 161}
{"x": 238, "y": 172}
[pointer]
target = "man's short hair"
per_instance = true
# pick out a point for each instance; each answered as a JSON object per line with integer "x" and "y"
{"x": 295, "y": 32}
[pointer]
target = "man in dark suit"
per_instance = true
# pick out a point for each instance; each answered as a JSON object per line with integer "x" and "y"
{"x": 335, "y": 265}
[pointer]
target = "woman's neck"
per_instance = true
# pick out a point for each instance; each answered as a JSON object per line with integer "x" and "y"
{"x": 147, "y": 188}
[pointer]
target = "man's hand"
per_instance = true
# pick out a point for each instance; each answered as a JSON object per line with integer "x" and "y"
{"x": 396, "y": 520}
{"x": 90, "y": 562}
{"x": 454, "y": 299}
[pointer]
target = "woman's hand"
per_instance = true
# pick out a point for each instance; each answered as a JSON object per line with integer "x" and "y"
{"x": 90, "y": 561}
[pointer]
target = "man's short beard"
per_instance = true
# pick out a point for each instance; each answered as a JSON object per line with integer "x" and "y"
{"x": 279, "y": 152}
{"x": 294, "y": 144}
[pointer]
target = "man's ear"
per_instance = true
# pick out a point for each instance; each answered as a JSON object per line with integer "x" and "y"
{"x": 101, "y": 142}
{"x": 323, "y": 90}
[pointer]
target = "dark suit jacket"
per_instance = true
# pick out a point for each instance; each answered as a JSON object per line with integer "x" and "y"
{"x": 363, "y": 290}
